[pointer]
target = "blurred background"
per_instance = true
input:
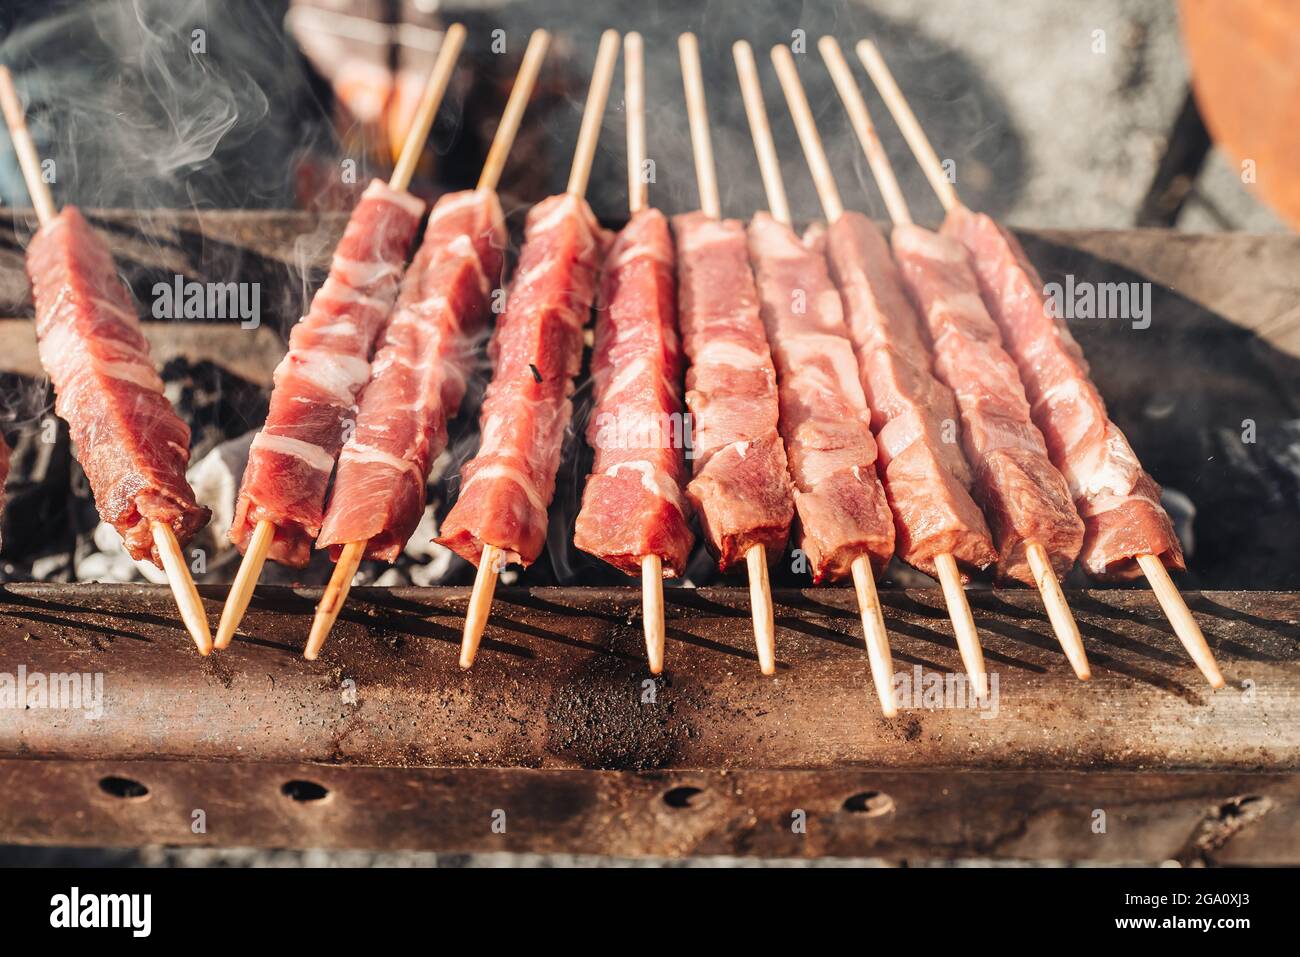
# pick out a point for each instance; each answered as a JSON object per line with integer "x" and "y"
{"x": 1104, "y": 114}
{"x": 1054, "y": 114}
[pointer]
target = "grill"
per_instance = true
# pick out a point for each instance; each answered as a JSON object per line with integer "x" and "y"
{"x": 561, "y": 730}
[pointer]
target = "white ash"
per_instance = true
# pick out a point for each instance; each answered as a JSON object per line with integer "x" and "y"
{"x": 111, "y": 563}
{"x": 440, "y": 466}
{"x": 53, "y": 567}
{"x": 434, "y": 561}
{"x": 391, "y": 578}
{"x": 215, "y": 479}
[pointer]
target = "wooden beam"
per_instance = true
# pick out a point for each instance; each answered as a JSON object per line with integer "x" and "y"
{"x": 251, "y": 354}
{"x": 562, "y": 683}
{"x": 560, "y": 728}
{"x": 896, "y": 815}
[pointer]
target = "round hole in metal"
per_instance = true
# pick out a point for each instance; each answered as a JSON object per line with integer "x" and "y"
{"x": 870, "y": 803}
{"x": 124, "y": 788}
{"x": 680, "y": 797}
{"x": 304, "y": 791}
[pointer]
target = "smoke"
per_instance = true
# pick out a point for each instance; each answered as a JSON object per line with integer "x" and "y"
{"x": 155, "y": 104}
{"x": 968, "y": 119}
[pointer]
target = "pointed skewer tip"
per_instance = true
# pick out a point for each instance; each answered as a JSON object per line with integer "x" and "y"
{"x": 241, "y": 591}
{"x": 333, "y": 597}
{"x": 874, "y": 634}
{"x": 760, "y": 600}
{"x": 193, "y": 615}
{"x": 1180, "y": 618}
{"x": 652, "y": 611}
{"x": 480, "y": 603}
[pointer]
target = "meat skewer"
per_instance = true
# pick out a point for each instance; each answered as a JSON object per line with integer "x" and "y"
{"x": 926, "y": 478}
{"x": 506, "y": 489}
{"x": 130, "y": 442}
{"x": 1026, "y": 501}
{"x": 845, "y": 524}
{"x": 634, "y": 514}
{"x": 420, "y": 371}
{"x": 741, "y": 481}
{"x": 281, "y": 500}
{"x": 1127, "y": 531}
{"x": 1058, "y": 611}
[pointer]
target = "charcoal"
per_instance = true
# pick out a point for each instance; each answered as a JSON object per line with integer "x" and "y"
{"x": 216, "y": 405}
{"x": 215, "y": 479}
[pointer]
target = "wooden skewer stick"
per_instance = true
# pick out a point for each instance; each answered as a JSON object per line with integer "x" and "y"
{"x": 1171, "y": 600}
{"x": 241, "y": 590}
{"x": 434, "y": 89}
{"x": 873, "y": 621}
{"x": 697, "y": 112}
{"x": 513, "y": 114}
{"x": 28, "y": 159}
{"x": 1049, "y": 587}
{"x": 250, "y": 568}
{"x": 1180, "y": 616}
{"x": 652, "y": 611}
{"x": 169, "y": 549}
{"x": 945, "y": 566}
{"x": 593, "y": 113}
{"x": 963, "y": 624}
{"x": 480, "y": 603}
{"x": 489, "y": 567}
{"x": 336, "y": 592}
{"x": 769, "y": 165}
{"x": 760, "y": 607}
{"x": 1058, "y": 610}
{"x": 876, "y": 636}
{"x": 706, "y": 176}
{"x": 182, "y": 586}
{"x": 638, "y": 197}
{"x": 638, "y": 190}
{"x": 856, "y": 108}
{"x": 907, "y": 123}
{"x": 805, "y": 125}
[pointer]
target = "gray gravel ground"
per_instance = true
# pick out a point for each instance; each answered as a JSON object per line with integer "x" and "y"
{"x": 1092, "y": 125}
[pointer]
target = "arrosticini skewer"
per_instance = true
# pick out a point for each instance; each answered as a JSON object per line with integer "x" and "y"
{"x": 439, "y": 309}
{"x": 1005, "y": 252}
{"x": 514, "y": 469}
{"x": 652, "y": 573}
{"x": 633, "y": 513}
{"x": 1063, "y": 623}
{"x": 320, "y": 460}
{"x": 945, "y": 563}
{"x": 820, "y": 356}
{"x": 163, "y": 535}
{"x": 712, "y": 332}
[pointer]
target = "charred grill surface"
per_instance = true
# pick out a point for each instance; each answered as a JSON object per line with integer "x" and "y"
{"x": 1220, "y": 316}
{"x": 562, "y": 683}
{"x": 386, "y": 743}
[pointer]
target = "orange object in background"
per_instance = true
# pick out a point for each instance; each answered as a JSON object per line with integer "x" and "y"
{"x": 402, "y": 106}
{"x": 375, "y": 68}
{"x": 380, "y": 99}
{"x": 1245, "y": 60}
